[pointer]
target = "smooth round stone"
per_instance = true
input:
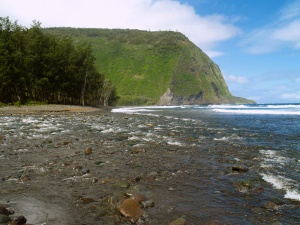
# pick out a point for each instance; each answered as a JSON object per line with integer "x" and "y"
{"x": 123, "y": 184}
{"x": 179, "y": 221}
{"x": 131, "y": 208}
{"x": 148, "y": 204}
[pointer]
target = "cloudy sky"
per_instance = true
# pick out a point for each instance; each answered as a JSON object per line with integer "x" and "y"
{"x": 256, "y": 43}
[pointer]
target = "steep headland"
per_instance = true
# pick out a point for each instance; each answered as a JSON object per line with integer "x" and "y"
{"x": 150, "y": 68}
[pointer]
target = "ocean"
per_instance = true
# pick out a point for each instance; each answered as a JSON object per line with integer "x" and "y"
{"x": 264, "y": 137}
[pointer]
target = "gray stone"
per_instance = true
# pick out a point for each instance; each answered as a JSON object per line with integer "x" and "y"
{"x": 148, "y": 204}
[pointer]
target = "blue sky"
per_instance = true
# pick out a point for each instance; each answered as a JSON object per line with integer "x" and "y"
{"x": 256, "y": 43}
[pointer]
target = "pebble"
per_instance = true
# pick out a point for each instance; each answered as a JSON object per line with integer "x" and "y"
{"x": 88, "y": 151}
{"x": 123, "y": 184}
{"x": 239, "y": 168}
{"x": 179, "y": 221}
{"x": 147, "y": 204}
{"x": 270, "y": 205}
{"x": 277, "y": 223}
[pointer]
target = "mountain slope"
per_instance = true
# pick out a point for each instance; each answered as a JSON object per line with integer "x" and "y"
{"x": 161, "y": 67}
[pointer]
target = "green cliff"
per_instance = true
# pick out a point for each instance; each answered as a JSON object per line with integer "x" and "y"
{"x": 150, "y": 68}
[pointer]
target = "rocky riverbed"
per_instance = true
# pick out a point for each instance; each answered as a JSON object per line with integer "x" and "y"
{"x": 67, "y": 165}
{"x": 75, "y": 165}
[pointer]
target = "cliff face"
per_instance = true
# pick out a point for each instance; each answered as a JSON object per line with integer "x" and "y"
{"x": 150, "y": 68}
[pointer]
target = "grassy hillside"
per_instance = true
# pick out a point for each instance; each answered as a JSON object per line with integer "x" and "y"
{"x": 143, "y": 65}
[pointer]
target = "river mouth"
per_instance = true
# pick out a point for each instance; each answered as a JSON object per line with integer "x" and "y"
{"x": 186, "y": 166}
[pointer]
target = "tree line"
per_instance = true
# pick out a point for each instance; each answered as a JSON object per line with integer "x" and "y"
{"x": 35, "y": 66}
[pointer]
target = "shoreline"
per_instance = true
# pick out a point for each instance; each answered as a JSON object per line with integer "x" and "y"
{"x": 80, "y": 165}
{"x": 51, "y": 108}
{"x": 68, "y": 176}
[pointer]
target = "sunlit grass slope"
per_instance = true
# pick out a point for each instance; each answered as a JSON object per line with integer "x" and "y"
{"x": 143, "y": 65}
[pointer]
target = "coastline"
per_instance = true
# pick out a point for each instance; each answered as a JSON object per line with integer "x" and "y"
{"x": 81, "y": 177}
{"x": 77, "y": 165}
{"x": 51, "y": 108}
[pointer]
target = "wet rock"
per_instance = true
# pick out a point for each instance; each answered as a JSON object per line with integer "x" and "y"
{"x": 25, "y": 178}
{"x": 179, "y": 221}
{"x": 4, "y": 219}
{"x": 239, "y": 168}
{"x": 4, "y": 211}
{"x": 153, "y": 174}
{"x": 141, "y": 189}
{"x": 85, "y": 171}
{"x": 86, "y": 200}
{"x": 131, "y": 208}
{"x": 138, "y": 197}
{"x": 88, "y": 151}
{"x": 258, "y": 190}
{"x": 20, "y": 220}
{"x": 270, "y": 205}
{"x": 213, "y": 222}
{"x": 147, "y": 204}
{"x": 137, "y": 150}
{"x": 257, "y": 210}
{"x": 172, "y": 134}
{"x": 98, "y": 163}
{"x": 277, "y": 223}
{"x": 136, "y": 179}
{"x": 123, "y": 184}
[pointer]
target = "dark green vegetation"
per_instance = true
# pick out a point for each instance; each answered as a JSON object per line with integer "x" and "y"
{"x": 144, "y": 66}
{"x": 37, "y": 67}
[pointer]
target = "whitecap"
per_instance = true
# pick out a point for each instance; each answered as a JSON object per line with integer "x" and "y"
{"x": 282, "y": 183}
{"x": 292, "y": 194}
{"x": 174, "y": 143}
{"x": 133, "y": 138}
{"x": 110, "y": 130}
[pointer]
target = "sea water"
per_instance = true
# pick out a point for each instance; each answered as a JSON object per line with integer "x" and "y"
{"x": 270, "y": 131}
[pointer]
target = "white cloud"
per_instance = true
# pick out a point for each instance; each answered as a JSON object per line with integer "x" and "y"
{"x": 282, "y": 33}
{"x": 204, "y": 31}
{"x": 235, "y": 79}
{"x": 289, "y": 34}
{"x": 291, "y": 96}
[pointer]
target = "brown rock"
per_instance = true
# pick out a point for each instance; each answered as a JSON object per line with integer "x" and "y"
{"x": 138, "y": 196}
{"x": 88, "y": 151}
{"x": 86, "y": 200}
{"x": 258, "y": 190}
{"x": 20, "y": 220}
{"x": 270, "y": 205}
{"x": 179, "y": 221}
{"x": 131, "y": 208}
{"x": 4, "y": 211}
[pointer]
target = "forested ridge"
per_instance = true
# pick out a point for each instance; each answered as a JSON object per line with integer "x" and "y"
{"x": 39, "y": 67}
